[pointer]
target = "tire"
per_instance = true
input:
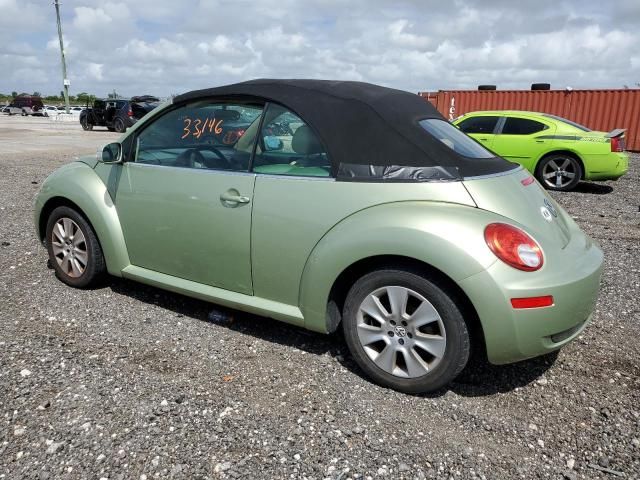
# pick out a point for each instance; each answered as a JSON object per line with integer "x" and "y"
{"x": 61, "y": 242}
{"x": 86, "y": 125}
{"x": 410, "y": 368}
{"x": 23, "y": 113}
{"x": 559, "y": 172}
{"x": 119, "y": 125}
{"x": 540, "y": 86}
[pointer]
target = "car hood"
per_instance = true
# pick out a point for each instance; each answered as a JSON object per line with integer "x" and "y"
{"x": 518, "y": 197}
{"x": 90, "y": 160}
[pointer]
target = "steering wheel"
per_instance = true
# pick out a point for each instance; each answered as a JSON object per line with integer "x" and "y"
{"x": 191, "y": 156}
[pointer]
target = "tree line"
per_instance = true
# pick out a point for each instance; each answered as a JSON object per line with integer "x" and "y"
{"x": 82, "y": 98}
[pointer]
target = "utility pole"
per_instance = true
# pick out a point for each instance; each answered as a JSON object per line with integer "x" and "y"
{"x": 65, "y": 80}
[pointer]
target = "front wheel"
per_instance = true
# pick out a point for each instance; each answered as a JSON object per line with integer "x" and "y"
{"x": 559, "y": 172}
{"x": 74, "y": 250}
{"x": 404, "y": 331}
{"x": 86, "y": 125}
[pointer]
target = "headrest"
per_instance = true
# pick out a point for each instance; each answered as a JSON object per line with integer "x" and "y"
{"x": 305, "y": 142}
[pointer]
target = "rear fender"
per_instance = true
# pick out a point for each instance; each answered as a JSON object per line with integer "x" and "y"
{"x": 78, "y": 183}
{"x": 448, "y": 237}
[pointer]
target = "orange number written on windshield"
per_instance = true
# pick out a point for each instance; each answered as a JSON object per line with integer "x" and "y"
{"x": 196, "y": 127}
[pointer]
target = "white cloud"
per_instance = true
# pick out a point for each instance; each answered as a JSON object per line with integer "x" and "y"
{"x": 400, "y": 36}
{"x": 95, "y": 70}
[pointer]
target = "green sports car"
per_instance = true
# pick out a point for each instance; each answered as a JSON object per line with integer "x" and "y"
{"x": 557, "y": 151}
{"x": 331, "y": 205}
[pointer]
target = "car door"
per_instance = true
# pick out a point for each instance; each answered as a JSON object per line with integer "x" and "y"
{"x": 97, "y": 112}
{"x": 480, "y": 127}
{"x": 519, "y": 140}
{"x": 185, "y": 198}
{"x": 292, "y": 168}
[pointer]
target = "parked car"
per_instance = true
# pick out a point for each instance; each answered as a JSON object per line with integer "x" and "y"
{"x": 26, "y": 105}
{"x": 117, "y": 115}
{"x": 51, "y": 111}
{"x": 5, "y": 109}
{"x": 410, "y": 236}
{"x": 558, "y": 151}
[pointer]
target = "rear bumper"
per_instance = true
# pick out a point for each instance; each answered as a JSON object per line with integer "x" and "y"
{"x": 517, "y": 334}
{"x": 614, "y": 166}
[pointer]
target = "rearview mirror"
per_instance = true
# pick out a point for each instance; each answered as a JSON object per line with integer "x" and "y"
{"x": 272, "y": 143}
{"x": 110, "y": 153}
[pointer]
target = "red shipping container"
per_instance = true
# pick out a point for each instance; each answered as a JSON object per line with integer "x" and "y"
{"x": 602, "y": 110}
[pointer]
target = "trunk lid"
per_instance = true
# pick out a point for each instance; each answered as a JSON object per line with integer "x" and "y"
{"x": 517, "y": 196}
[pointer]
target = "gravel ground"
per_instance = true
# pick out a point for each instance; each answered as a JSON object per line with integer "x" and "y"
{"x": 131, "y": 382}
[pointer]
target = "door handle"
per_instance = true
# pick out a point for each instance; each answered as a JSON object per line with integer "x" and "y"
{"x": 483, "y": 139}
{"x": 539, "y": 141}
{"x": 233, "y": 196}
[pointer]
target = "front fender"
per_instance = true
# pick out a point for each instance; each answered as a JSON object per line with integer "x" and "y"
{"x": 79, "y": 184}
{"x": 449, "y": 237}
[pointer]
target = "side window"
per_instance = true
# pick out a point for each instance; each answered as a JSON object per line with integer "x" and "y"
{"x": 288, "y": 146}
{"x": 521, "y": 126}
{"x": 204, "y": 134}
{"x": 454, "y": 138}
{"x": 479, "y": 125}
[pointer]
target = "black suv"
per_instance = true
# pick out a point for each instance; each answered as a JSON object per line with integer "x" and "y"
{"x": 117, "y": 115}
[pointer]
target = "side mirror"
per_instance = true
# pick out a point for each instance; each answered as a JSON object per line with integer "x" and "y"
{"x": 272, "y": 143}
{"x": 111, "y": 153}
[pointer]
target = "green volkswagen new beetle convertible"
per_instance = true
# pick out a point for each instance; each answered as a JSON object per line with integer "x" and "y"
{"x": 331, "y": 205}
{"x": 557, "y": 151}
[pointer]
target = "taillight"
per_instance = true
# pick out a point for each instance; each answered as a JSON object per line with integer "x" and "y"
{"x": 527, "y": 181}
{"x": 617, "y": 144}
{"x": 513, "y": 246}
{"x": 130, "y": 112}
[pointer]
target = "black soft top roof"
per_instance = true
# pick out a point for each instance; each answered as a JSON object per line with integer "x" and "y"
{"x": 362, "y": 124}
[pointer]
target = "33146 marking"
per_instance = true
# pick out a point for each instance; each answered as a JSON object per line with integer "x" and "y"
{"x": 196, "y": 127}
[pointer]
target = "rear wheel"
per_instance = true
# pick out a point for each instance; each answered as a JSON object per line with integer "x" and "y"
{"x": 559, "y": 172}
{"x": 74, "y": 250}
{"x": 404, "y": 331}
{"x": 119, "y": 125}
{"x": 86, "y": 125}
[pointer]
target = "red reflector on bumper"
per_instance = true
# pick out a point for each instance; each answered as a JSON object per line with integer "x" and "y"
{"x": 532, "y": 302}
{"x": 527, "y": 181}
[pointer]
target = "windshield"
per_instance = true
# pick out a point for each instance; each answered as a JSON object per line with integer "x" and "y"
{"x": 569, "y": 122}
{"x": 455, "y": 139}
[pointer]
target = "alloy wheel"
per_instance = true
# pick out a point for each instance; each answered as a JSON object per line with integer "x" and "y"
{"x": 559, "y": 173}
{"x": 401, "y": 331}
{"x": 69, "y": 247}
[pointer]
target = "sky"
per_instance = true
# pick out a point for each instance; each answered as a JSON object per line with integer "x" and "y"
{"x": 165, "y": 47}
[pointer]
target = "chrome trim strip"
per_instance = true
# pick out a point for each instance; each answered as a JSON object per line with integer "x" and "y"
{"x": 201, "y": 170}
{"x": 493, "y": 175}
{"x": 296, "y": 177}
{"x": 232, "y": 172}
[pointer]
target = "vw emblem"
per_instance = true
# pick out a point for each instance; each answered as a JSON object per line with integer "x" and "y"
{"x": 401, "y": 332}
{"x": 550, "y": 207}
